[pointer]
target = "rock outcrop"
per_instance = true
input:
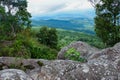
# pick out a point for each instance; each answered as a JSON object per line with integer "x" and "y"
{"x": 102, "y": 65}
{"x": 83, "y": 48}
{"x": 13, "y": 74}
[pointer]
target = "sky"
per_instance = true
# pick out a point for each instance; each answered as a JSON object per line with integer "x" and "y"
{"x": 40, "y": 7}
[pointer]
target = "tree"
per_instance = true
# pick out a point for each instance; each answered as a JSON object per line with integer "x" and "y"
{"x": 13, "y": 16}
{"x": 107, "y": 21}
{"x": 43, "y": 35}
{"x": 53, "y": 38}
{"x": 48, "y": 36}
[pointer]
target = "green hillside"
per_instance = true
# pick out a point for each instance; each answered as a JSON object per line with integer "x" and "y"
{"x": 65, "y": 37}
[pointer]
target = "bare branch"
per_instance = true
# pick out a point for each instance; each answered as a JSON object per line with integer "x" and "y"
{"x": 94, "y": 2}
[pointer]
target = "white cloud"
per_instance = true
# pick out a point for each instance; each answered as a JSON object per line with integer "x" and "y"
{"x": 38, "y": 7}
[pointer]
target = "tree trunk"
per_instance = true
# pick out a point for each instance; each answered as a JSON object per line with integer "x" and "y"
{"x": 13, "y": 31}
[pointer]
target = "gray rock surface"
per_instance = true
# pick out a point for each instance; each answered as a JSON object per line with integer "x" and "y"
{"x": 102, "y": 65}
{"x": 83, "y": 48}
{"x": 13, "y": 74}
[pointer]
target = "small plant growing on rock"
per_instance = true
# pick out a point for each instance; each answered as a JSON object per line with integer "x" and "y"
{"x": 40, "y": 63}
{"x": 14, "y": 66}
{"x": 73, "y": 54}
{"x": 29, "y": 67}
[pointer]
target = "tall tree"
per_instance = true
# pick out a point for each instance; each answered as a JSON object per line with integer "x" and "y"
{"x": 13, "y": 16}
{"x": 48, "y": 36}
{"x": 107, "y": 21}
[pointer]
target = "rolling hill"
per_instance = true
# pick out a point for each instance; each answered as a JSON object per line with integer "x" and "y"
{"x": 83, "y": 22}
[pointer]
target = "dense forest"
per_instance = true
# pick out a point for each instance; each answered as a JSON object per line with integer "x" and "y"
{"x": 18, "y": 38}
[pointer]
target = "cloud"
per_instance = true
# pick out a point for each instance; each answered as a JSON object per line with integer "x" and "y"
{"x": 38, "y": 7}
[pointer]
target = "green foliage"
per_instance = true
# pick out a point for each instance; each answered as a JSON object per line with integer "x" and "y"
{"x": 73, "y": 54}
{"x": 66, "y": 37}
{"x": 48, "y": 37}
{"x": 16, "y": 38}
{"x": 17, "y": 47}
{"x": 26, "y": 45}
{"x": 40, "y": 63}
{"x": 107, "y": 25}
{"x": 13, "y": 16}
{"x": 43, "y": 52}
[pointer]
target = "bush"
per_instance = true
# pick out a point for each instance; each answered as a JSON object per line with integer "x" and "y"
{"x": 48, "y": 37}
{"x": 26, "y": 45}
{"x": 43, "y": 52}
{"x": 16, "y": 47}
{"x": 73, "y": 54}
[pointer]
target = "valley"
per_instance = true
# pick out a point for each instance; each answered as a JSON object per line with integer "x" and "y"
{"x": 81, "y": 22}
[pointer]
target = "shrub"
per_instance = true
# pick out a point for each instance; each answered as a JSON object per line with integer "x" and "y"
{"x": 73, "y": 54}
{"x": 26, "y": 45}
{"x": 43, "y": 52}
{"x": 48, "y": 37}
{"x": 16, "y": 47}
{"x": 40, "y": 63}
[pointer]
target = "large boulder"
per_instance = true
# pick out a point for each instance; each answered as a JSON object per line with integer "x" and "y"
{"x": 111, "y": 53}
{"x": 14, "y": 74}
{"x": 102, "y": 65}
{"x": 83, "y": 48}
{"x": 105, "y": 66}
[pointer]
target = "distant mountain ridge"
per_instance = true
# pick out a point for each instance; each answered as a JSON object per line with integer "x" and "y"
{"x": 69, "y": 14}
{"x": 68, "y": 21}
